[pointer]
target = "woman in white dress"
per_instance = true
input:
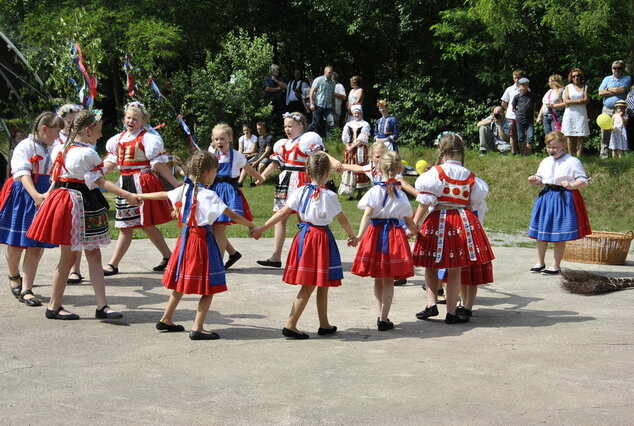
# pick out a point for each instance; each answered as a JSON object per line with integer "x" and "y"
{"x": 355, "y": 96}
{"x": 575, "y": 122}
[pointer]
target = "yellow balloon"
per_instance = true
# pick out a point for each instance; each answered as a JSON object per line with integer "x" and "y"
{"x": 420, "y": 166}
{"x": 405, "y": 163}
{"x": 604, "y": 121}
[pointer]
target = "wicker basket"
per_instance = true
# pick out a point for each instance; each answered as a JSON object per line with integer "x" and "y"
{"x": 608, "y": 248}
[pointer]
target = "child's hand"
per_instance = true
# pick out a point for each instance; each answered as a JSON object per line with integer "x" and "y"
{"x": 565, "y": 184}
{"x": 353, "y": 241}
{"x": 260, "y": 181}
{"x": 132, "y": 199}
{"x": 38, "y": 199}
{"x": 256, "y": 232}
{"x": 410, "y": 234}
{"x": 535, "y": 180}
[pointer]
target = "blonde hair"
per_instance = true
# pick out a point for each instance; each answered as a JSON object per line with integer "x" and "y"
{"x": 450, "y": 144}
{"x": 376, "y": 147}
{"x": 381, "y": 102}
{"x": 556, "y": 78}
{"x": 200, "y": 162}
{"x": 391, "y": 165}
{"x": 555, "y": 136}
{"x": 223, "y": 128}
{"x": 317, "y": 165}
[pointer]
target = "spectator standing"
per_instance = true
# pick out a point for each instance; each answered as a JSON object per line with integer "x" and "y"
{"x": 552, "y": 110}
{"x": 507, "y": 97}
{"x": 322, "y": 101}
{"x": 340, "y": 96}
{"x": 613, "y": 88}
{"x": 575, "y": 122}
{"x": 629, "y": 111}
{"x": 294, "y": 92}
{"x": 274, "y": 87}
{"x": 355, "y": 96}
{"x": 524, "y": 109}
{"x": 386, "y": 127}
{"x": 494, "y": 132}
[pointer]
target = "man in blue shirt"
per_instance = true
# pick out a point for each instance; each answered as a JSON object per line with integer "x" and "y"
{"x": 322, "y": 101}
{"x": 613, "y": 88}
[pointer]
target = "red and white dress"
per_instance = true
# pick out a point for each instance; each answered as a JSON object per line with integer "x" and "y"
{"x": 135, "y": 154}
{"x": 75, "y": 213}
{"x": 291, "y": 155}
{"x": 451, "y": 236}
{"x": 314, "y": 258}
{"x": 196, "y": 265}
{"x": 354, "y": 131}
{"x": 384, "y": 250}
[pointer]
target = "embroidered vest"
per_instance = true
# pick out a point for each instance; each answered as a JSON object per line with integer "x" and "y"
{"x": 455, "y": 191}
{"x": 132, "y": 153}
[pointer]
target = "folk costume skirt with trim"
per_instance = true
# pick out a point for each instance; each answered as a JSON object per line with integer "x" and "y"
{"x": 290, "y": 179}
{"x": 451, "y": 238}
{"x": 384, "y": 252}
{"x": 74, "y": 216}
{"x": 234, "y": 199}
{"x": 475, "y": 274}
{"x": 197, "y": 267}
{"x": 150, "y": 212}
{"x": 313, "y": 258}
{"x": 17, "y": 212}
{"x": 559, "y": 215}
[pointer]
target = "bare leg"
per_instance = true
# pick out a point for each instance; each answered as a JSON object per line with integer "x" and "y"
{"x": 13, "y": 255}
{"x": 29, "y": 266}
{"x": 453, "y": 288}
{"x": 513, "y": 140}
{"x": 201, "y": 313}
{"x": 468, "y": 294}
{"x": 378, "y": 295}
{"x": 156, "y": 237}
{"x": 558, "y": 252}
{"x": 570, "y": 141}
{"x": 122, "y": 246}
{"x": 243, "y": 175}
{"x": 93, "y": 257}
{"x": 580, "y": 141}
{"x": 322, "y": 307}
{"x": 541, "y": 252}
{"x": 298, "y": 307}
{"x": 230, "y": 249}
{"x": 77, "y": 265}
{"x": 172, "y": 303}
{"x": 220, "y": 233}
{"x": 60, "y": 275}
{"x": 431, "y": 285}
{"x": 278, "y": 245}
{"x": 386, "y": 298}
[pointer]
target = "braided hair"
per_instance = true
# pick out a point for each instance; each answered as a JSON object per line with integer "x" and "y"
{"x": 84, "y": 119}
{"x": 48, "y": 119}
{"x": 200, "y": 162}
{"x": 450, "y": 144}
{"x": 391, "y": 165}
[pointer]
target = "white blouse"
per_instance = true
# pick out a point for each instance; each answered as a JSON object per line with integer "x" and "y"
{"x": 81, "y": 162}
{"x": 208, "y": 207}
{"x": 430, "y": 187}
{"x": 395, "y": 208}
{"x": 247, "y": 145}
{"x": 239, "y": 160}
{"x": 22, "y": 154}
{"x": 152, "y": 144}
{"x": 308, "y": 143}
{"x": 320, "y": 211}
{"x": 552, "y": 171}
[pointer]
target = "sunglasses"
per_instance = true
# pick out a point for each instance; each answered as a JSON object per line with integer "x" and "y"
{"x": 576, "y": 75}
{"x": 617, "y": 68}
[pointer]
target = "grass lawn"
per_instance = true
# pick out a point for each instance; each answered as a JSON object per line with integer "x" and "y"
{"x": 608, "y": 197}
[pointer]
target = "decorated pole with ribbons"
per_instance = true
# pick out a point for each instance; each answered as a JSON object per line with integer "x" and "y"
{"x": 90, "y": 81}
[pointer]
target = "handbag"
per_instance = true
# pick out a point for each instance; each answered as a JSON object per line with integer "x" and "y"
{"x": 348, "y": 183}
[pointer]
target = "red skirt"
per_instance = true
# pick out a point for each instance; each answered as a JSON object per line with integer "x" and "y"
{"x": 370, "y": 261}
{"x": 194, "y": 274}
{"x": 6, "y": 191}
{"x": 314, "y": 266}
{"x": 457, "y": 246}
{"x": 475, "y": 274}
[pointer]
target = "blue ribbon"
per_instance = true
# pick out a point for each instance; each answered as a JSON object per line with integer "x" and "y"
{"x": 395, "y": 190}
{"x": 335, "y": 268}
{"x": 303, "y": 202}
{"x": 383, "y": 241}
{"x": 304, "y": 228}
{"x": 187, "y": 208}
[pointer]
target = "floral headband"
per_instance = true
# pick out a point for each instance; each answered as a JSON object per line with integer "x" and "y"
{"x": 441, "y": 134}
{"x": 293, "y": 115}
{"x": 64, "y": 110}
{"x": 136, "y": 104}
{"x": 97, "y": 115}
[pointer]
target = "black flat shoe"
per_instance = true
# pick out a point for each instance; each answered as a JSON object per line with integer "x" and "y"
{"x": 429, "y": 311}
{"x": 102, "y": 314}
{"x": 326, "y": 331}
{"x": 161, "y": 326}
{"x": 161, "y": 266}
{"x": 56, "y": 314}
{"x": 461, "y": 310}
{"x": 537, "y": 268}
{"x": 269, "y": 263}
{"x": 112, "y": 271}
{"x": 31, "y": 301}
{"x": 16, "y": 290}
{"x": 400, "y": 282}
{"x": 294, "y": 335}
{"x": 551, "y": 271}
{"x": 456, "y": 319}
{"x": 197, "y": 335}
{"x": 385, "y": 325}
{"x": 77, "y": 280}
{"x": 233, "y": 258}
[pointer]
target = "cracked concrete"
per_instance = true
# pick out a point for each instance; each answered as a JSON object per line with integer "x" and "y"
{"x": 531, "y": 354}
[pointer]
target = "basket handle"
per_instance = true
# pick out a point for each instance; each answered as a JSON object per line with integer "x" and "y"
{"x": 629, "y": 235}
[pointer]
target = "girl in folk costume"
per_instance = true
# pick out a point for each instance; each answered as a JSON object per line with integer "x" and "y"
{"x": 75, "y": 215}
{"x": 355, "y": 136}
{"x": 196, "y": 268}
{"x": 451, "y": 236}
{"x": 313, "y": 260}
{"x": 138, "y": 152}
{"x": 384, "y": 253}
{"x": 559, "y": 213}
{"x": 290, "y": 155}
{"x": 67, "y": 112}
{"x": 226, "y": 185}
{"x": 20, "y": 198}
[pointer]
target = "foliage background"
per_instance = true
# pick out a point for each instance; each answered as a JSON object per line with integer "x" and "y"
{"x": 441, "y": 65}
